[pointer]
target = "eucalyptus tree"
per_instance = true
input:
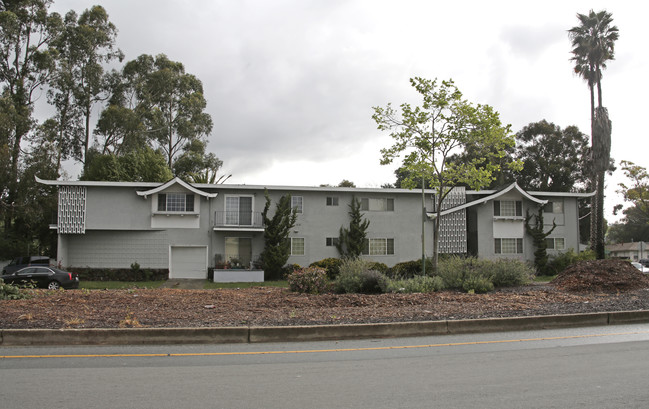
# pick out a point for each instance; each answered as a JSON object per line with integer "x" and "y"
{"x": 593, "y": 42}
{"x": 169, "y": 102}
{"x": 86, "y": 44}
{"x": 27, "y": 60}
{"x": 429, "y": 135}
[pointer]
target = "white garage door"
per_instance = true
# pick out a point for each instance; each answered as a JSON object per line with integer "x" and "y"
{"x": 188, "y": 262}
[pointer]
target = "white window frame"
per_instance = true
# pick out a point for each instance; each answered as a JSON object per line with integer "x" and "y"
{"x": 382, "y": 204}
{"x": 555, "y": 205}
{"x": 557, "y": 243}
{"x": 297, "y": 202}
{"x": 379, "y": 246}
{"x": 295, "y": 246}
{"x": 172, "y": 200}
{"x": 232, "y": 217}
{"x": 332, "y": 201}
{"x": 515, "y": 244}
{"x": 331, "y": 241}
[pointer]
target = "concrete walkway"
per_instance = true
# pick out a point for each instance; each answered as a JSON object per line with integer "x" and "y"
{"x": 184, "y": 283}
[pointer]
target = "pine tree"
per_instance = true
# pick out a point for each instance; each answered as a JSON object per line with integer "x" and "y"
{"x": 351, "y": 241}
{"x": 277, "y": 246}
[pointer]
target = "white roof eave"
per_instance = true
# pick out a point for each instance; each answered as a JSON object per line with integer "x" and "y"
{"x": 175, "y": 181}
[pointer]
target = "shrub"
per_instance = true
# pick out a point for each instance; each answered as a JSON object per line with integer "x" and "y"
{"x": 452, "y": 271}
{"x": 288, "y": 269}
{"x": 373, "y": 282}
{"x": 309, "y": 280}
{"x": 331, "y": 265}
{"x": 406, "y": 269}
{"x": 508, "y": 273}
{"x": 457, "y": 271}
{"x": 356, "y": 277}
{"x": 12, "y": 292}
{"x": 477, "y": 283}
{"x": 564, "y": 260}
{"x": 380, "y": 267}
{"x": 418, "y": 284}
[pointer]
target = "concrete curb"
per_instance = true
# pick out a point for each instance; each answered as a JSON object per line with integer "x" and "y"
{"x": 226, "y": 335}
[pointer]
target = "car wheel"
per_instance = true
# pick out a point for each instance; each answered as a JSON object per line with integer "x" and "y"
{"x": 53, "y": 285}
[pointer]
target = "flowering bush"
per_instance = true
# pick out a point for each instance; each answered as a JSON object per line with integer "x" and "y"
{"x": 309, "y": 280}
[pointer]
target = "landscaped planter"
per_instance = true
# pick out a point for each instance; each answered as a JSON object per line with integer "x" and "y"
{"x": 238, "y": 276}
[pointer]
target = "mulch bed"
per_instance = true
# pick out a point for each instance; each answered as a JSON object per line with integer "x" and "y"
{"x": 586, "y": 287}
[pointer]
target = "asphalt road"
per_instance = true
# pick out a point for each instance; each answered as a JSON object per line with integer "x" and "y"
{"x": 597, "y": 367}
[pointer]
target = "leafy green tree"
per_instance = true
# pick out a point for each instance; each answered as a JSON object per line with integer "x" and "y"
{"x": 195, "y": 164}
{"x": 430, "y": 134}
{"x": 86, "y": 43}
{"x": 636, "y": 192}
{"x": 351, "y": 241}
{"x": 634, "y": 226}
{"x": 139, "y": 165}
{"x": 119, "y": 129}
{"x": 593, "y": 42}
{"x": 26, "y": 63}
{"x": 554, "y": 159}
{"x": 169, "y": 101}
{"x": 538, "y": 233}
{"x": 346, "y": 183}
{"x": 277, "y": 245}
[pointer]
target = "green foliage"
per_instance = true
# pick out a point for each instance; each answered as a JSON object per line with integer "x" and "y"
{"x": 141, "y": 165}
{"x": 417, "y": 284}
{"x": 633, "y": 227}
{"x": 12, "y": 292}
{"x": 539, "y": 235}
{"x": 277, "y": 246}
{"x": 169, "y": 101}
{"x": 356, "y": 277}
{"x": 330, "y": 265}
{"x": 637, "y": 192}
{"x": 473, "y": 274}
{"x": 120, "y": 274}
{"x": 509, "y": 272}
{"x": 196, "y": 165}
{"x": 554, "y": 159}
{"x": 428, "y": 135}
{"x": 378, "y": 266}
{"x": 407, "y": 269}
{"x": 309, "y": 280}
{"x": 351, "y": 241}
{"x": 564, "y": 260}
{"x": 476, "y": 283}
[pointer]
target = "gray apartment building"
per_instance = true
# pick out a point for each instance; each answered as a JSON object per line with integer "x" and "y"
{"x": 190, "y": 228}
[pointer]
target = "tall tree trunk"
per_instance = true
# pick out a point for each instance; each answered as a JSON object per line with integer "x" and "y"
{"x": 601, "y": 157}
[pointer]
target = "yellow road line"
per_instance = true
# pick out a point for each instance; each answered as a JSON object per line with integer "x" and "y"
{"x": 314, "y": 351}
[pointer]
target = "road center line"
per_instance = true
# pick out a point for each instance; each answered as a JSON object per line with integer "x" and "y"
{"x": 314, "y": 351}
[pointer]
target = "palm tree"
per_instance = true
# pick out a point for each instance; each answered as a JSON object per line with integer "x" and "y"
{"x": 593, "y": 44}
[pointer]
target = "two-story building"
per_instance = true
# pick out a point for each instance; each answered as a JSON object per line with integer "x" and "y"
{"x": 189, "y": 228}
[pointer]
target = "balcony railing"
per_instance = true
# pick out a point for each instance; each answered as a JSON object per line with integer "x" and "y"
{"x": 238, "y": 220}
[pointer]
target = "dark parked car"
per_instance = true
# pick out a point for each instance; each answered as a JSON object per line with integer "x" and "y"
{"x": 22, "y": 262}
{"x": 43, "y": 277}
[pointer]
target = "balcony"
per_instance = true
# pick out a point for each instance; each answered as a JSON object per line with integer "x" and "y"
{"x": 238, "y": 221}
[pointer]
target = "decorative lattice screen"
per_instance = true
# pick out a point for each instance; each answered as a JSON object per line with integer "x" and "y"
{"x": 72, "y": 210}
{"x": 452, "y": 228}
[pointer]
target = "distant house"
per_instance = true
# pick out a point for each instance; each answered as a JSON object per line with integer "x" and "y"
{"x": 190, "y": 228}
{"x": 632, "y": 251}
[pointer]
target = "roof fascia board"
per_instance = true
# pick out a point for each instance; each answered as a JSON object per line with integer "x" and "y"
{"x": 180, "y": 182}
{"x": 513, "y": 186}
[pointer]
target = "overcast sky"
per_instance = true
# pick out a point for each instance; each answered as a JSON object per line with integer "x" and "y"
{"x": 290, "y": 84}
